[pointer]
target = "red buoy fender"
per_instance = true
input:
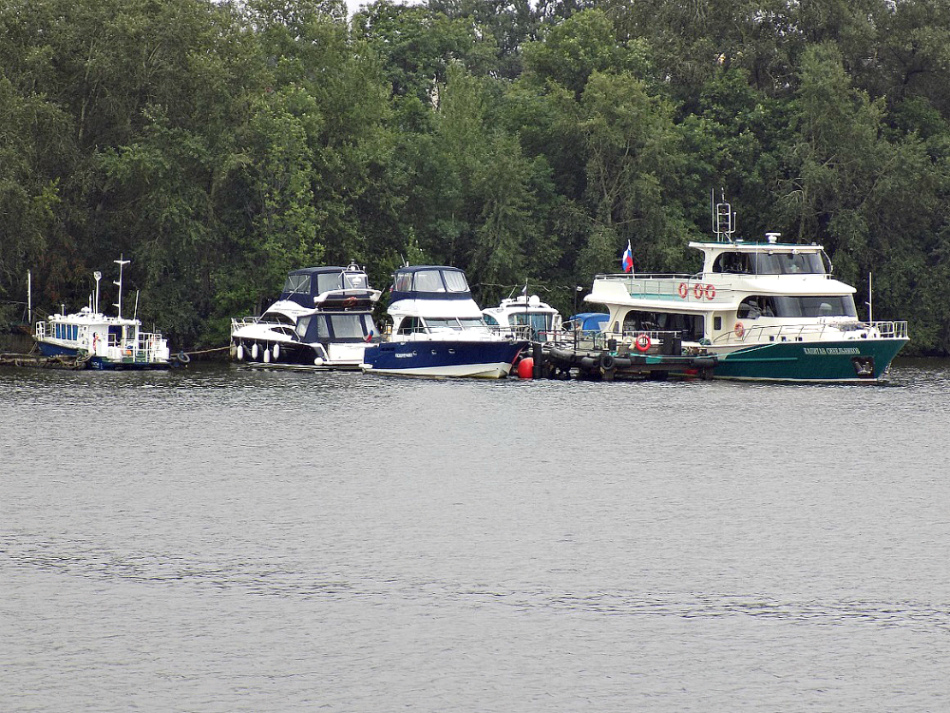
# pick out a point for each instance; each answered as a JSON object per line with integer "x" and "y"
{"x": 526, "y": 368}
{"x": 684, "y": 290}
{"x": 710, "y": 292}
{"x": 740, "y": 330}
{"x": 643, "y": 343}
{"x": 698, "y": 291}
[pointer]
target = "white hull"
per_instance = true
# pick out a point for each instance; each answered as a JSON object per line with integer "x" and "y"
{"x": 471, "y": 371}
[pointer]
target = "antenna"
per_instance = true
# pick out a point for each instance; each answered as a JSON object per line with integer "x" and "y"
{"x": 98, "y": 276}
{"x": 870, "y": 300}
{"x": 724, "y": 223}
{"x": 118, "y": 305}
{"x": 29, "y": 298}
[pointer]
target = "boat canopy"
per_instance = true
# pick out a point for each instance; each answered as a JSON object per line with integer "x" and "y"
{"x": 429, "y": 282}
{"x": 311, "y": 285}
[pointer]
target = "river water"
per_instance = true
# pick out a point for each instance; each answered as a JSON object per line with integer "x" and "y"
{"x": 221, "y": 539}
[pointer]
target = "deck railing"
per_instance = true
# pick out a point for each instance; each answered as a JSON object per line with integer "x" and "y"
{"x": 811, "y": 331}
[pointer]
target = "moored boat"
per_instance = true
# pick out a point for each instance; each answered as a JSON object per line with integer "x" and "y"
{"x": 438, "y": 330}
{"x": 322, "y": 320}
{"x": 514, "y": 314}
{"x": 98, "y": 341}
{"x": 767, "y": 310}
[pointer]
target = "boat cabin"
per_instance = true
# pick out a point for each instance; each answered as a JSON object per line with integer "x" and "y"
{"x": 527, "y": 314}
{"x": 325, "y": 327}
{"x": 328, "y": 286}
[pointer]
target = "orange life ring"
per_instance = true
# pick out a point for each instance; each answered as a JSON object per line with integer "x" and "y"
{"x": 740, "y": 330}
{"x": 710, "y": 292}
{"x": 698, "y": 291}
{"x": 349, "y": 302}
{"x": 643, "y": 343}
{"x": 684, "y": 290}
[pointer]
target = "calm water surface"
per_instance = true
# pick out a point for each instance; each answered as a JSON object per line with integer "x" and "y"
{"x": 218, "y": 539}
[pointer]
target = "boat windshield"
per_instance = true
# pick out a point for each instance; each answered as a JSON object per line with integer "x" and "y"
{"x": 428, "y": 281}
{"x": 328, "y": 281}
{"x": 787, "y": 264}
{"x": 774, "y": 263}
{"x": 297, "y": 285}
{"x": 455, "y": 281}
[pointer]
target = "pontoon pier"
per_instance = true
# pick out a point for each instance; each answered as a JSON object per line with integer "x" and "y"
{"x": 648, "y": 356}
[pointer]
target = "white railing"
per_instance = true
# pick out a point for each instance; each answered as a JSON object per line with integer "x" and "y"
{"x": 675, "y": 287}
{"x": 811, "y": 331}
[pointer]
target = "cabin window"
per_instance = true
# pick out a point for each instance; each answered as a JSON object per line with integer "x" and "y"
{"x": 66, "y": 331}
{"x": 757, "y": 306}
{"x": 428, "y": 281}
{"x": 297, "y": 285}
{"x": 403, "y": 282}
{"x": 822, "y": 306}
{"x": 717, "y": 323}
{"x": 737, "y": 263}
{"x": 689, "y": 326}
{"x": 455, "y": 281}
{"x": 537, "y": 322}
{"x": 347, "y": 326}
{"x": 491, "y": 321}
{"x": 409, "y": 325}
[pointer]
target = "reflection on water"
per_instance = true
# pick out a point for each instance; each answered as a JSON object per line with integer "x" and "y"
{"x": 222, "y": 539}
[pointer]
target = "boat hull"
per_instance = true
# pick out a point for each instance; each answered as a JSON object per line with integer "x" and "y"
{"x": 101, "y": 363}
{"x": 298, "y": 355}
{"x": 438, "y": 359}
{"x": 853, "y": 360}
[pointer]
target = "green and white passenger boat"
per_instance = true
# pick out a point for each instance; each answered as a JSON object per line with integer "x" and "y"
{"x": 766, "y": 310}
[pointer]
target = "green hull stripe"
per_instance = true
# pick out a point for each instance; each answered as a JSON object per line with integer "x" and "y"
{"x": 852, "y": 360}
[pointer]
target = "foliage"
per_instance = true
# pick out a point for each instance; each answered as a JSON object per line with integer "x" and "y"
{"x": 220, "y": 144}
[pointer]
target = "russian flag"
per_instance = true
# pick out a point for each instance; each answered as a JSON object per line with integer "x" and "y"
{"x": 627, "y": 260}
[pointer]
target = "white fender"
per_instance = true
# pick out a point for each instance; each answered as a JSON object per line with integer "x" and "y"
{"x": 240, "y": 352}
{"x": 267, "y": 356}
{"x": 254, "y": 350}
{"x": 276, "y": 352}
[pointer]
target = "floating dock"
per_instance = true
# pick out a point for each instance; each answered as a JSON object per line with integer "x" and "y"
{"x": 564, "y": 362}
{"x": 44, "y": 362}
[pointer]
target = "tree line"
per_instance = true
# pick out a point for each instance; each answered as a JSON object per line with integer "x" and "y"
{"x": 219, "y": 145}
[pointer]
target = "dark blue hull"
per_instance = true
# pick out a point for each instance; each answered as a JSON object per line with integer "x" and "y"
{"x": 472, "y": 359}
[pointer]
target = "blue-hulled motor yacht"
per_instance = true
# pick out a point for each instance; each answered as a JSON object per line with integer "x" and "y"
{"x": 438, "y": 330}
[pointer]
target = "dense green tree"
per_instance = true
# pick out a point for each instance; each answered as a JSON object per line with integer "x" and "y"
{"x": 220, "y": 144}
